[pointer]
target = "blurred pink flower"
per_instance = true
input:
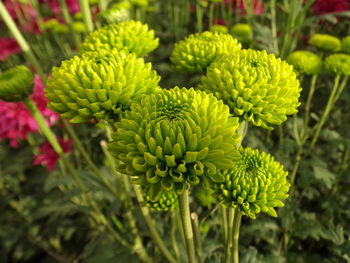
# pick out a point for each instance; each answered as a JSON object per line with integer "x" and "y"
{"x": 258, "y": 6}
{"x": 48, "y": 157}
{"x": 16, "y": 122}
{"x": 72, "y": 5}
{"x": 8, "y": 47}
{"x": 322, "y": 7}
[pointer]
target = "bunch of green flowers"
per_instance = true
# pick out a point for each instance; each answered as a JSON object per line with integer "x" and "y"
{"x": 305, "y": 62}
{"x": 258, "y": 87}
{"x": 345, "y": 44}
{"x": 175, "y": 138}
{"x": 325, "y": 42}
{"x": 131, "y": 36}
{"x": 243, "y": 32}
{"x": 257, "y": 183}
{"x": 16, "y": 84}
{"x": 99, "y": 85}
{"x": 198, "y": 51}
{"x": 338, "y": 64}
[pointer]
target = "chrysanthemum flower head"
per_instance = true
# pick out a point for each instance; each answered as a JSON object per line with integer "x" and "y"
{"x": 257, "y": 183}
{"x": 175, "y": 138}
{"x": 131, "y": 36}
{"x": 167, "y": 201}
{"x": 338, "y": 64}
{"x": 325, "y": 42}
{"x": 258, "y": 87}
{"x": 305, "y": 62}
{"x": 16, "y": 84}
{"x": 99, "y": 84}
{"x": 16, "y": 121}
{"x": 198, "y": 51}
{"x": 345, "y": 44}
{"x": 243, "y": 32}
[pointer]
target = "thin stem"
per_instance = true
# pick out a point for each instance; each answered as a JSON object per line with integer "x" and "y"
{"x": 228, "y": 254}
{"x": 224, "y": 222}
{"x": 173, "y": 235}
{"x": 85, "y": 9}
{"x": 211, "y": 14}
{"x": 308, "y": 105}
{"x": 197, "y": 238}
{"x": 199, "y": 15}
{"x": 21, "y": 41}
{"x": 236, "y": 227}
{"x": 326, "y": 112}
{"x": 151, "y": 227}
{"x": 68, "y": 19}
{"x": 273, "y": 26}
{"x": 187, "y": 226}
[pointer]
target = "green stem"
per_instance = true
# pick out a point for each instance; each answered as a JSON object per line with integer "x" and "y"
{"x": 187, "y": 226}
{"x": 236, "y": 227}
{"x": 211, "y": 14}
{"x": 199, "y": 15}
{"x": 21, "y": 41}
{"x": 308, "y": 106}
{"x": 224, "y": 222}
{"x": 173, "y": 235}
{"x": 85, "y": 9}
{"x": 69, "y": 21}
{"x": 228, "y": 254}
{"x": 103, "y": 4}
{"x": 273, "y": 26}
{"x": 151, "y": 227}
{"x": 326, "y": 112}
{"x": 197, "y": 238}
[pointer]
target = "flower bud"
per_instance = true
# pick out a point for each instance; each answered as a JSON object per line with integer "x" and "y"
{"x": 305, "y": 62}
{"x": 338, "y": 64}
{"x": 325, "y": 42}
{"x": 243, "y": 32}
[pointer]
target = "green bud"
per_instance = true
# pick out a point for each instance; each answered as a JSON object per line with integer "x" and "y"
{"x": 78, "y": 27}
{"x": 305, "y": 62}
{"x": 257, "y": 183}
{"x": 167, "y": 201}
{"x": 345, "y": 44}
{"x": 132, "y": 36}
{"x": 257, "y": 86}
{"x": 198, "y": 51}
{"x": 99, "y": 85}
{"x": 175, "y": 138}
{"x": 16, "y": 84}
{"x": 219, "y": 29}
{"x": 243, "y": 32}
{"x": 338, "y": 64}
{"x": 325, "y": 42}
{"x": 140, "y": 3}
{"x": 115, "y": 15}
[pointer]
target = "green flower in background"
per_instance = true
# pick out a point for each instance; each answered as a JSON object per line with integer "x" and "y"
{"x": 305, "y": 62}
{"x": 175, "y": 138}
{"x": 198, "y": 51}
{"x": 16, "y": 84}
{"x": 99, "y": 85}
{"x": 338, "y": 64}
{"x": 325, "y": 42}
{"x": 115, "y": 15}
{"x": 205, "y": 196}
{"x": 345, "y": 44}
{"x": 258, "y": 87}
{"x": 167, "y": 201}
{"x": 257, "y": 183}
{"x": 219, "y": 29}
{"x": 78, "y": 27}
{"x": 131, "y": 36}
{"x": 243, "y": 32}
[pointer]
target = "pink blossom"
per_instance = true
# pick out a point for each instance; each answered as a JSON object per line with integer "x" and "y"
{"x": 322, "y": 7}
{"x": 258, "y": 6}
{"x": 8, "y": 47}
{"x": 48, "y": 157}
{"x": 72, "y": 5}
{"x": 16, "y": 122}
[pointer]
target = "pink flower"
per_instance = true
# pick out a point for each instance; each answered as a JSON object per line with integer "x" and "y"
{"x": 48, "y": 157}
{"x": 72, "y": 5}
{"x": 15, "y": 8}
{"x": 8, "y": 47}
{"x": 16, "y": 122}
{"x": 258, "y": 6}
{"x": 322, "y": 7}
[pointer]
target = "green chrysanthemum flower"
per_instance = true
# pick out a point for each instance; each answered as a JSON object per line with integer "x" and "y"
{"x": 257, "y": 183}
{"x": 99, "y": 84}
{"x": 16, "y": 84}
{"x": 258, "y": 87}
{"x": 305, "y": 62}
{"x": 338, "y": 64}
{"x": 198, "y": 51}
{"x": 167, "y": 201}
{"x": 243, "y": 32}
{"x": 345, "y": 44}
{"x": 115, "y": 15}
{"x": 132, "y": 36}
{"x": 175, "y": 138}
{"x": 219, "y": 29}
{"x": 325, "y": 42}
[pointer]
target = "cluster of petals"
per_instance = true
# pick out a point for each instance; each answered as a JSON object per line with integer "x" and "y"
{"x": 9, "y": 47}
{"x": 48, "y": 157}
{"x": 16, "y": 122}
